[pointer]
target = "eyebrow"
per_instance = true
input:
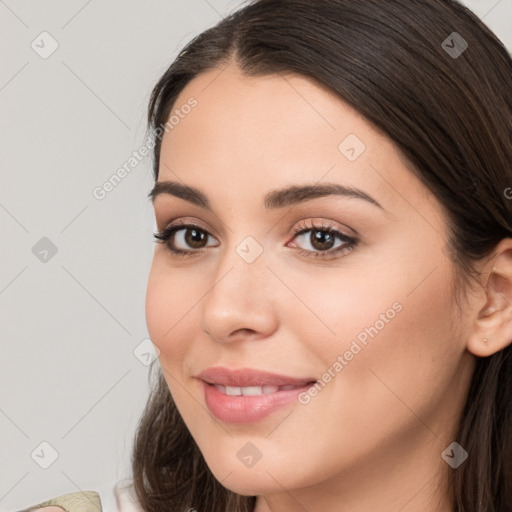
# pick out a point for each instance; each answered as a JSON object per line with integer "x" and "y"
{"x": 273, "y": 200}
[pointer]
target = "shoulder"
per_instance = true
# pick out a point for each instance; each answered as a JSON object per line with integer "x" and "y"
{"x": 118, "y": 497}
{"x": 83, "y": 501}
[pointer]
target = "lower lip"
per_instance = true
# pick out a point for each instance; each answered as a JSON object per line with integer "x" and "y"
{"x": 247, "y": 409}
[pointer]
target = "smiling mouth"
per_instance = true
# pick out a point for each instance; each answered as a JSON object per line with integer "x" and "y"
{"x": 249, "y": 404}
{"x": 247, "y": 395}
{"x": 256, "y": 390}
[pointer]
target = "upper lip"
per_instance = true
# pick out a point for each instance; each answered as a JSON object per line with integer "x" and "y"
{"x": 242, "y": 377}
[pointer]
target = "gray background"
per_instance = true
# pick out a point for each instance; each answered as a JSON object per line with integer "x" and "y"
{"x": 71, "y": 321}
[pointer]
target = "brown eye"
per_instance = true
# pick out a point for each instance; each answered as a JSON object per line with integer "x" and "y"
{"x": 188, "y": 239}
{"x": 193, "y": 237}
{"x": 322, "y": 241}
{"x": 183, "y": 238}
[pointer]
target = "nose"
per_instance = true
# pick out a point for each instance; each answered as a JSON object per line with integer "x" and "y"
{"x": 239, "y": 303}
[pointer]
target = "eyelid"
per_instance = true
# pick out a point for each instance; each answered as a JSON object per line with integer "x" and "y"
{"x": 180, "y": 221}
{"x": 311, "y": 223}
{"x": 318, "y": 223}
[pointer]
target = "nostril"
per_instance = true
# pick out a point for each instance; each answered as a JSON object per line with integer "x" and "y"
{"x": 242, "y": 331}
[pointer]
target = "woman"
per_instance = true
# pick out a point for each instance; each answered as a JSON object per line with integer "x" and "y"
{"x": 332, "y": 286}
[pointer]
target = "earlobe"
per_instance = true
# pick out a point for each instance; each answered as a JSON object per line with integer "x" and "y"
{"x": 492, "y": 328}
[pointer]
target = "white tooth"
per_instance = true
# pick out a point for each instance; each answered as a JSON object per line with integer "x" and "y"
{"x": 252, "y": 390}
{"x": 270, "y": 389}
{"x": 221, "y": 388}
{"x": 233, "y": 391}
{"x": 287, "y": 387}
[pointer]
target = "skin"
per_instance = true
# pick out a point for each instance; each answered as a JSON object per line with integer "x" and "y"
{"x": 372, "y": 437}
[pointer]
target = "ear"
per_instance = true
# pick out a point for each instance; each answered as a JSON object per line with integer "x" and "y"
{"x": 493, "y": 321}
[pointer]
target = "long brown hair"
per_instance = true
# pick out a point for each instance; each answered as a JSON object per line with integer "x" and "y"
{"x": 448, "y": 107}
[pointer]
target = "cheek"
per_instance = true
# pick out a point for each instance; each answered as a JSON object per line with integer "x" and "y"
{"x": 166, "y": 309}
{"x": 348, "y": 309}
{"x": 398, "y": 297}
{"x": 401, "y": 346}
{"x": 155, "y": 307}
{"x": 391, "y": 331}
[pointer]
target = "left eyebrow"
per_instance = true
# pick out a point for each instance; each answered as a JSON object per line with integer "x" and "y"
{"x": 273, "y": 200}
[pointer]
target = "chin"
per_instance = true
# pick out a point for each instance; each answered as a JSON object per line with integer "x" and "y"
{"x": 250, "y": 483}
{"x": 267, "y": 476}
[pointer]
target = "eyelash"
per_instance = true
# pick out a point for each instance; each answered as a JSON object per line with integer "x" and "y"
{"x": 164, "y": 236}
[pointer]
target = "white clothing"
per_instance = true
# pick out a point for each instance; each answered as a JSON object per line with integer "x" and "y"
{"x": 114, "y": 498}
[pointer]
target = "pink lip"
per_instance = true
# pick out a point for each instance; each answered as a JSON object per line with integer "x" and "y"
{"x": 246, "y": 377}
{"x": 248, "y": 409}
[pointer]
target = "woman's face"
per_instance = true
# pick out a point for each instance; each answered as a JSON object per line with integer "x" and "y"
{"x": 364, "y": 309}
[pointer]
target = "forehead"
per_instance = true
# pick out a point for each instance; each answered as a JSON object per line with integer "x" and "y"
{"x": 276, "y": 130}
{"x": 264, "y": 112}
